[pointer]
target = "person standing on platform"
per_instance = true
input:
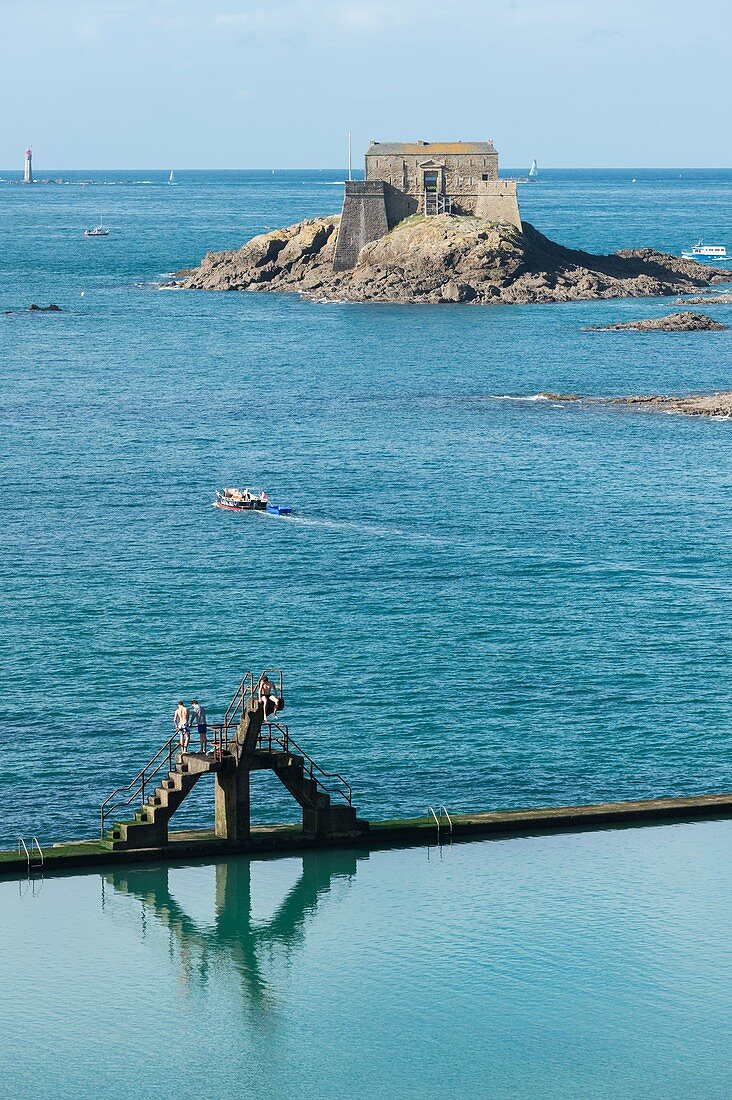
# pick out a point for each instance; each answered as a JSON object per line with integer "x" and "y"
{"x": 198, "y": 715}
{"x": 182, "y": 723}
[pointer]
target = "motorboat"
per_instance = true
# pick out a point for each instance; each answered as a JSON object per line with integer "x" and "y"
{"x": 701, "y": 252}
{"x": 248, "y": 500}
{"x": 241, "y": 500}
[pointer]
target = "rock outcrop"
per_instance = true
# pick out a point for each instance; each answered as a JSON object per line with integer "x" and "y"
{"x": 703, "y": 404}
{"x": 672, "y": 322}
{"x": 445, "y": 259}
{"x": 696, "y": 404}
{"x": 707, "y": 300}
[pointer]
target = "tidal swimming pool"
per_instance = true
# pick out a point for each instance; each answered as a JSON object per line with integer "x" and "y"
{"x": 578, "y": 965}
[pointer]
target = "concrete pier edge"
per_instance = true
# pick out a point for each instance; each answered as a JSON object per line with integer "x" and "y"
{"x": 287, "y": 840}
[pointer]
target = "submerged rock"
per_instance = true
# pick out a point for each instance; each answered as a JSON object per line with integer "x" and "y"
{"x": 444, "y": 259}
{"x": 672, "y": 322}
{"x": 33, "y": 308}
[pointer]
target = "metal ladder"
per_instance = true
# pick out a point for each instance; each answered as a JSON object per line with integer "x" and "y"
{"x": 35, "y": 845}
{"x": 437, "y": 819}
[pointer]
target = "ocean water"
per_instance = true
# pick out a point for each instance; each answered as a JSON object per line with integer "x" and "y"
{"x": 594, "y": 965}
{"x": 483, "y": 599}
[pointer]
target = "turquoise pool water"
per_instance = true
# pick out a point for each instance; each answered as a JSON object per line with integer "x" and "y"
{"x": 480, "y": 601}
{"x": 582, "y": 966}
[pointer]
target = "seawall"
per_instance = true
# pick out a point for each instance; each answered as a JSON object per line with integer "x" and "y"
{"x": 285, "y": 839}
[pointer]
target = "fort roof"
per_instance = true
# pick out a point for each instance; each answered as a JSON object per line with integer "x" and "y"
{"x": 429, "y": 148}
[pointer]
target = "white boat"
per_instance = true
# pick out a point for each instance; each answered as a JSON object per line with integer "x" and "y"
{"x": 534, "y": 171}
{"x": 98, "y": 231}
{"x": 248, "y": 500}
{"x": 171, "y": 177}
{"x": 701, "y": 251}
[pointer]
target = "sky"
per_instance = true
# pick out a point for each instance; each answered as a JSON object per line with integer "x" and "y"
{"x": 279, "y": 83}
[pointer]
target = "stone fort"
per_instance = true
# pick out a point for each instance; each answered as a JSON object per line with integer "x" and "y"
{"x": 422, "y": 177}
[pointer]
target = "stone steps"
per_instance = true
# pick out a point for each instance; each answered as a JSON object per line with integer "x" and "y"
{"x": 149, "y": 826}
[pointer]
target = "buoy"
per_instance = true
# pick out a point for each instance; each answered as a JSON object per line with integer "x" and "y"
{"x": 82, "y": 294}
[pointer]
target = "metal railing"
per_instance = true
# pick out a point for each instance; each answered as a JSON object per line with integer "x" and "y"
{"x": 244, "y": 695}
{"x": 433, "y": 202}
{"x": 275, "y": 737}
{"x": 236, "y": 709}
{"x": 34, "y": 841}
{"x": 23, "y": 847}
{"x": 136, "y": 787}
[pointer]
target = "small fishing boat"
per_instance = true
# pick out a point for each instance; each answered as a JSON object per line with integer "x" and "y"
{"x": 98, "y": 231}
{"x": 701, "y": 252}
{"x": 248, "y": 500}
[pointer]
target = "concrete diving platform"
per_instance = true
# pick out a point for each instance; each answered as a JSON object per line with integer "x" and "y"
{"x": 249, "y": 738}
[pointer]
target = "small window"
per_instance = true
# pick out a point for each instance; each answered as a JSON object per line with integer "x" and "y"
{"x": 485, "y": 176}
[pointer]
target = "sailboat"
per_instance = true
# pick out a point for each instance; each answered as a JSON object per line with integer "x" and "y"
{"x": 98, "y": 231}
{"x": 534, "y": 171}
{"x": 171, "y": 177}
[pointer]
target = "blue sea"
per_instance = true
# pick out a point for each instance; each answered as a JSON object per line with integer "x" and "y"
{"x": 482, "y": 599}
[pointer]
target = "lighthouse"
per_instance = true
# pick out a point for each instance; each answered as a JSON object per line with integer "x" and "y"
{"x": 28, "y": 170}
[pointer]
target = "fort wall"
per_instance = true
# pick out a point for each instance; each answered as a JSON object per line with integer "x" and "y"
{"x": 497, "y": 201}
{"x": 363, "y": 219}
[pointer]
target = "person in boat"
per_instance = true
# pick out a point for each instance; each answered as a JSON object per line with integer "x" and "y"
{"x": 267, "y": 697}
{"x": 182, "y": 724}
{"x": 198, "y": 715}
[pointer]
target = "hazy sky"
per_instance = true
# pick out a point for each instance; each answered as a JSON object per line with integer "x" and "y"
{"x": 278, "y": 83}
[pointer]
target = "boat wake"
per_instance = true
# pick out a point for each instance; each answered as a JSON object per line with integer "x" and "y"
{"x": 373, "y": 530}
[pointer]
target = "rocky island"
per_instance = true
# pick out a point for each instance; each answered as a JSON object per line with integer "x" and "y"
{"x": 672, "y": 322}
{"x": 444, "y": 258}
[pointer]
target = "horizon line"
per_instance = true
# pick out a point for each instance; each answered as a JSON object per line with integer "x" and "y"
{"x": 322, "y": 168}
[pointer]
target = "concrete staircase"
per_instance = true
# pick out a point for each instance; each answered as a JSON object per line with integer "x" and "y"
{"x": 320, "y": 815}
{"x": 149, "y": 827}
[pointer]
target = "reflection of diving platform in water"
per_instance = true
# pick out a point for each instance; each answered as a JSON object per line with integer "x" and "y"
{"x": 234, "y": 929}
{"x": 246, "y": 740}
